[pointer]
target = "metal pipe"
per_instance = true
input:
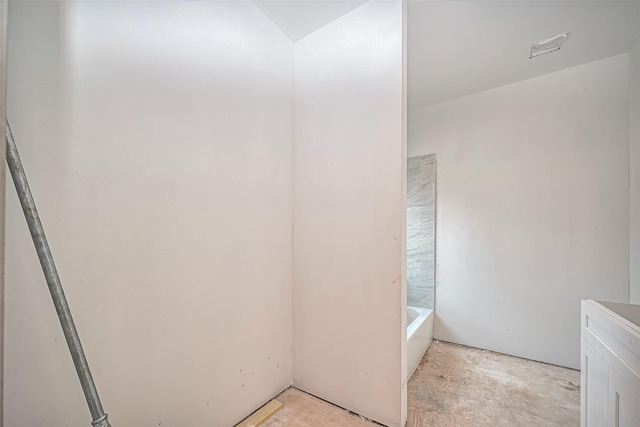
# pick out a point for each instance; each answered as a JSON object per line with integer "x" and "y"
{"x": 53, "y": 281}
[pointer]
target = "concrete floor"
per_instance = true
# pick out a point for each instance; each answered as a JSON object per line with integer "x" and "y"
{"x": 461, "y": 386}
{"x": 456, "y": 386}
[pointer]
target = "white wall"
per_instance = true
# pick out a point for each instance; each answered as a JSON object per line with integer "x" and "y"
{"x": 533, "y": 208}
{"x": 3, "y": 113}
{"x": 157, "y": 138}
{"x": 634, "y": 163}
{"x": 349, "y": 307}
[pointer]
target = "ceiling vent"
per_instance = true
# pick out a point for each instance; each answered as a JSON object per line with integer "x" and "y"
{"x": 547, "y": 45}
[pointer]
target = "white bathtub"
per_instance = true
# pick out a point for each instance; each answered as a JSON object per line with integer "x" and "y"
{"x": 419, "y": 336}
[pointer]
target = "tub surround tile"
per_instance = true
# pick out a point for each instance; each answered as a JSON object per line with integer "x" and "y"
{"x": 421, "y": 194}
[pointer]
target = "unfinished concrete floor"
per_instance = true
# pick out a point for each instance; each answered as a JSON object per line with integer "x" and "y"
{"x": 461, "y": 386}
{"x": 456, "y": 386}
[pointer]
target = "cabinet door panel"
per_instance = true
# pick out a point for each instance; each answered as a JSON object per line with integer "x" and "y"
{"x": 624, "y": 403}
{"x": 594, "y": 388}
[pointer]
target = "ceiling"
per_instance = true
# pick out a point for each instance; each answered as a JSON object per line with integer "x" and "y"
{"x": 301, "y": 18}
{"x": 457, "y": 48}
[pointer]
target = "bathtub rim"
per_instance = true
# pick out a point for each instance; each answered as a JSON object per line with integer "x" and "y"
{"x": 422, "y": 316}
{"x": 419, "y": 338}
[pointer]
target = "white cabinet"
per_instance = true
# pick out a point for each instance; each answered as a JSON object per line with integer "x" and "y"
{"x": 610, "y": 362}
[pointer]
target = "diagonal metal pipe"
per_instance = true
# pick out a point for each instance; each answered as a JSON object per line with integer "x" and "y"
{"x": 53, "y": 281}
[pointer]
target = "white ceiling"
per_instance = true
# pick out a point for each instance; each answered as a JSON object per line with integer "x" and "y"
{"x": 301, "y": 18}
{"x": 457, "y": 48}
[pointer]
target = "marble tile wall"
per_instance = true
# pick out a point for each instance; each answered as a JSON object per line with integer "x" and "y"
{"x": 421, "y": 214}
